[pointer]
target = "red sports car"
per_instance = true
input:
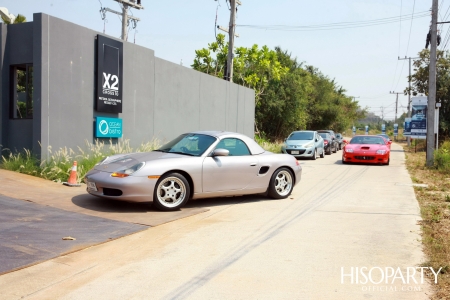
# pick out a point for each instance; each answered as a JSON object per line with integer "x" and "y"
{"x": 370, "y": 149}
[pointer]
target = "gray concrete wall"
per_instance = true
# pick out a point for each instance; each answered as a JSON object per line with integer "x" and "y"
{"x": 3, "y": 83}
{"x": 160, "y": 99}
{"x": 17, "y": 48}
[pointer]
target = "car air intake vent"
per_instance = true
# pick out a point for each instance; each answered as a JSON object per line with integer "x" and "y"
{"x": 112, "y": 192}
{"x": 263, "y": 170}
{"x": 365, "y": 157}
{"x": 365, "y": 148}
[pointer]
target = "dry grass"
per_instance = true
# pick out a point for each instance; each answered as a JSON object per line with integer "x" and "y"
{"x": 434, "y": 204}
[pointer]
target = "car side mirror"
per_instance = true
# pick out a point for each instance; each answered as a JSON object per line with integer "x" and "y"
{"x": 220, "y": 152}
{"x": 317, "y": 139}
{"x": 345, "y": 141}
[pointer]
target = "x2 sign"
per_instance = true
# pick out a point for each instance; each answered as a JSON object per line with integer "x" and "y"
{"x": 109, "y": 75}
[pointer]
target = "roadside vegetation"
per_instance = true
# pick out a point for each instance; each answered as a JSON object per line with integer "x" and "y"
{"x": 289, "y": 95}
{"x": 57, "y": 167}
{"x": 434, "y": 202}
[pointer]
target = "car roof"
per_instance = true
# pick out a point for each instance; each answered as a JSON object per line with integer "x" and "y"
{"x": 254, "y": 147}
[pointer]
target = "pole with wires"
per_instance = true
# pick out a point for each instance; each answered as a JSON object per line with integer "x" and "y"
{"x": 396, "y": 107}
{"x": 432, "y": 86}
{"x": 231, "y": 40}
{"x": 409, "y": 90}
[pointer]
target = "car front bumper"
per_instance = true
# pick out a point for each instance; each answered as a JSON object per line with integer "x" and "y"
{"x": 299, "y": 152}
{"x": 131, "y": 188}
{"x": 367, "y": 158}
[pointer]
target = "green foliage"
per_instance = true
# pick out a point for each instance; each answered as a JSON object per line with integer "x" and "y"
{"x": 58, "y": 166}
{"x": 267, "y": 145}
{"x": 19, "y": 19}
{"x": 442, "y": 158}
{"x": 288, "y": 95}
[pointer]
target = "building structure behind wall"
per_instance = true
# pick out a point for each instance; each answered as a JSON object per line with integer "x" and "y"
{"x": 48, "y": 91}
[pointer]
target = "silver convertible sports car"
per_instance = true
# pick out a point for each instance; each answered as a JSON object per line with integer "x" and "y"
{"x": 195, "y": 165}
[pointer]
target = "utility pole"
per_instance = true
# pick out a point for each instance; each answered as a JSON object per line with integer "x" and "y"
{"x": 231, "y": 30}
{"x": 409, "y": 91}
{"x": 125, "y": 17}
{"x": 432, "y": 86}
{"x": 396, "y": 107}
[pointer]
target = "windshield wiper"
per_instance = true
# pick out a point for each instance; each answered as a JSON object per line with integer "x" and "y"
{"x": 182, "y": 153}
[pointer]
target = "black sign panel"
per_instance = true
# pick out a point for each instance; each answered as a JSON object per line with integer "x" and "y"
{"x": 109, "y": 75}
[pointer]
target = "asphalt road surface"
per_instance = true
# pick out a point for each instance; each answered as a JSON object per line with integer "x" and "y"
{"x": 339, "y": 218}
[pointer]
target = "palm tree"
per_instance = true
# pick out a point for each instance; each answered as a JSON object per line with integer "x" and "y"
{"x": 19, "y": 19}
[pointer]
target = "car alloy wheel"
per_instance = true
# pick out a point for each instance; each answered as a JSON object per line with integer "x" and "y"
{"x": 314, "y": 157}
{"x": 281, "y": 183}
{"x": 171, "y": 193}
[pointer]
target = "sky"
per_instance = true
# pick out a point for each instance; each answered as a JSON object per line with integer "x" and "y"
{"x": 361, "y": 59}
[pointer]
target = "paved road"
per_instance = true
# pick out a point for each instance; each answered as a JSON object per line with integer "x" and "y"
{"x": 340, "y": 216}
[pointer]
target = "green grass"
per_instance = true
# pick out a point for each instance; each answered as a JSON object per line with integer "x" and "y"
{"x": 442, "y": 158}
{"x": 58, "y": 166}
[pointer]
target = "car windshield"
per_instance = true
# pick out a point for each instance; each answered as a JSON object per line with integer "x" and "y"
{"x": 324, "y": 135}
{"x": 384, "y": 135}
{"x": 338, "y": 135}
{"x": 189, "y": 144}
{"x": 302, "y": 135}
{"x": 373, "y": 140}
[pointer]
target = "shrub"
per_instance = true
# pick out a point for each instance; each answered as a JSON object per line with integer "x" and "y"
{"x": 442, "y": 158}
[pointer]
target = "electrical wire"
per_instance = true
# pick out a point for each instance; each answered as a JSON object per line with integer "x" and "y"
{"x": 340, "y": 25}
{"x": 410, "y": 29}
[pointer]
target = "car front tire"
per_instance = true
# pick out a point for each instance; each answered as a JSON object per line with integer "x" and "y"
{"x": 314, "y": 157}
{"x": 281, "y": 184}
{"x": 172, "y": 191}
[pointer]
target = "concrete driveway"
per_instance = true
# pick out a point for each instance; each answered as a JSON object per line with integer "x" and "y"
{"x": 339, "y": 218}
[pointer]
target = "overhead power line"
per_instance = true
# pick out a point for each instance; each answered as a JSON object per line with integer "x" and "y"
{"x": 340, "y": 25}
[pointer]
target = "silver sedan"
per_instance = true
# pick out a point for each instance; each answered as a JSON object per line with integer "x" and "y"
{"x": 304, "y": 143}
{"x": 195, "y": 165}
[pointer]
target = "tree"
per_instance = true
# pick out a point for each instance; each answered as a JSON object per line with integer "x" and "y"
{"x": 419, "y": 84}
{"x": 288, "y": 95}
{"x": 253, "y": 67}
{"x": 19, "y": 19}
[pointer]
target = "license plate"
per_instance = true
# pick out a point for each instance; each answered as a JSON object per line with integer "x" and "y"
{"x": 294, "y": 152}
{"x": 91, "y": 186}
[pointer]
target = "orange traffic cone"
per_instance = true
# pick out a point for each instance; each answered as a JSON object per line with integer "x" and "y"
{"x": 73, "y": 176}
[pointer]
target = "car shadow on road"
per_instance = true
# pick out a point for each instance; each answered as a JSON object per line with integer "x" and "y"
{"x": 93, "y": 203}
{"x": 109, "y": 205}
{"x": 223, "y": 201}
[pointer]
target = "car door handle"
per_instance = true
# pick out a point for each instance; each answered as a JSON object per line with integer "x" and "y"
{"x": 253, "y": 164}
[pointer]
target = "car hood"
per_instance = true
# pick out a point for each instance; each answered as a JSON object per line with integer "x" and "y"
{"x": 367, "y": 148}
{"x": 122, "y": 161}
{"x": 298, "y": 143}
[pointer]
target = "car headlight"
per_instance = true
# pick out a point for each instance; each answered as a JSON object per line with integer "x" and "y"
{"x": 309, "y": 145}
{"x": 349, "y": 150}
{"x": 381, "y": 151}
{"x": 127, "y": 172}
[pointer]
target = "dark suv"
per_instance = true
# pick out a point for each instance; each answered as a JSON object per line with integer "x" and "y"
{"x": 334, "y": 141}
{"x": 328, "y": 145}
{"x": 340, "y": 140}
